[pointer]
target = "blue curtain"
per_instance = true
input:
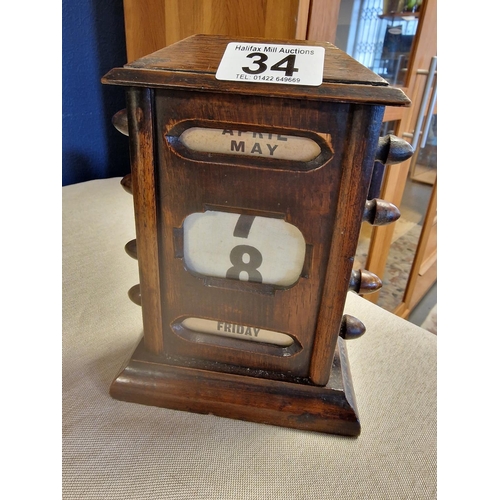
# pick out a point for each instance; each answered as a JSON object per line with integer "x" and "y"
{"x": 93, "y": 42}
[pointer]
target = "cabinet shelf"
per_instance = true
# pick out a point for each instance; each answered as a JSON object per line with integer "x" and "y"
{"x": 394, "y": 15}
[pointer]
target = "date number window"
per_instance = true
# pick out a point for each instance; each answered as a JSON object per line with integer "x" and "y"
{"x": 243, "y": 247}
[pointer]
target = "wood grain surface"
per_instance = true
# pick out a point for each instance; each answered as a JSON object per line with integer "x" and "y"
{"x": 344, "y": 79}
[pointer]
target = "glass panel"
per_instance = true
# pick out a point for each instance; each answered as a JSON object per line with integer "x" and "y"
{"x": 407, "y": 229}
{"x": 404, "y": 243}
{"x": 424, "y": 164}
{"x": 379, "y": 34}
{"x": 413, "y": 208}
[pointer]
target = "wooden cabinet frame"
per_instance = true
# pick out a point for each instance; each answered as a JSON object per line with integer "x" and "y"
{"x": 396, "y": 176}
{"x": 151, "y": 25}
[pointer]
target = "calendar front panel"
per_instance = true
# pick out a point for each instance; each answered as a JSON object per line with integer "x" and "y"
{"x": 244, "y": 242}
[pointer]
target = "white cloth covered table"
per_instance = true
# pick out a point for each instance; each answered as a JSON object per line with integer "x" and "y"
{"x": 119, "y": 450}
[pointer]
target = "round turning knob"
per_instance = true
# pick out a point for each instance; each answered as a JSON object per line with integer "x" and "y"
{"x": 351, "y": 328}
{"x": 364, "y": 282}
{"x": 392, "y": 149}
{"x": 120, "y": 121}
{"x": 134, "y": 294}
{"x": 131, "y": 249}
{"x": 126, "y": 183}
{"x": 380, "y": 212}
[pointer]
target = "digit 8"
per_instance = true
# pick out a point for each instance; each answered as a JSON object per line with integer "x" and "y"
{"x": 236, "y": 257}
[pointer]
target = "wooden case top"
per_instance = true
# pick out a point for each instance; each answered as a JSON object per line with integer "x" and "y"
{"x": 193, "y": 62}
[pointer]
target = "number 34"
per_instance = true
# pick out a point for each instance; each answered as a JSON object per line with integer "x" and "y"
{"x": 287, "y": 65}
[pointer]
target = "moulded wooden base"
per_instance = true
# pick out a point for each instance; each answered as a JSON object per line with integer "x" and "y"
{"x": 331, "y": 409}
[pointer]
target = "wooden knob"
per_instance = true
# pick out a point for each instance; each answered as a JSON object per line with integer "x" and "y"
{"x": 364, "y": 282}
{"x": 120, "y": 121}
{"x": 380, "y": 212}
{"x": 392, "y": 149}
{"x": 126, "y": 183}
{"x": 351, "y": 328}
{"x": 134, "y": 294}
{"x": 131, "y": 249}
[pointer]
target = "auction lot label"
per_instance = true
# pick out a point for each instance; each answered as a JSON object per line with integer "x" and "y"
{"x": 272, "y": 63}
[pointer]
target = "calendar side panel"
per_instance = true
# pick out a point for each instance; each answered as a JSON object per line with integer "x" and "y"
{"x": 357, "y": 167}
{"x": 143, "y": 169}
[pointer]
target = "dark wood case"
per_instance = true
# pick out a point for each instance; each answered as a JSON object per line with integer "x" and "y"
{"x": 306, "y": 384}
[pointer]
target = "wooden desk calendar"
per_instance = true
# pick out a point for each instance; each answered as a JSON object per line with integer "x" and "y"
{"x": 250, "y": 184}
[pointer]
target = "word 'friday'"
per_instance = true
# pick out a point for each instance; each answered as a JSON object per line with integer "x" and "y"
{"x": 234, "y": 328}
